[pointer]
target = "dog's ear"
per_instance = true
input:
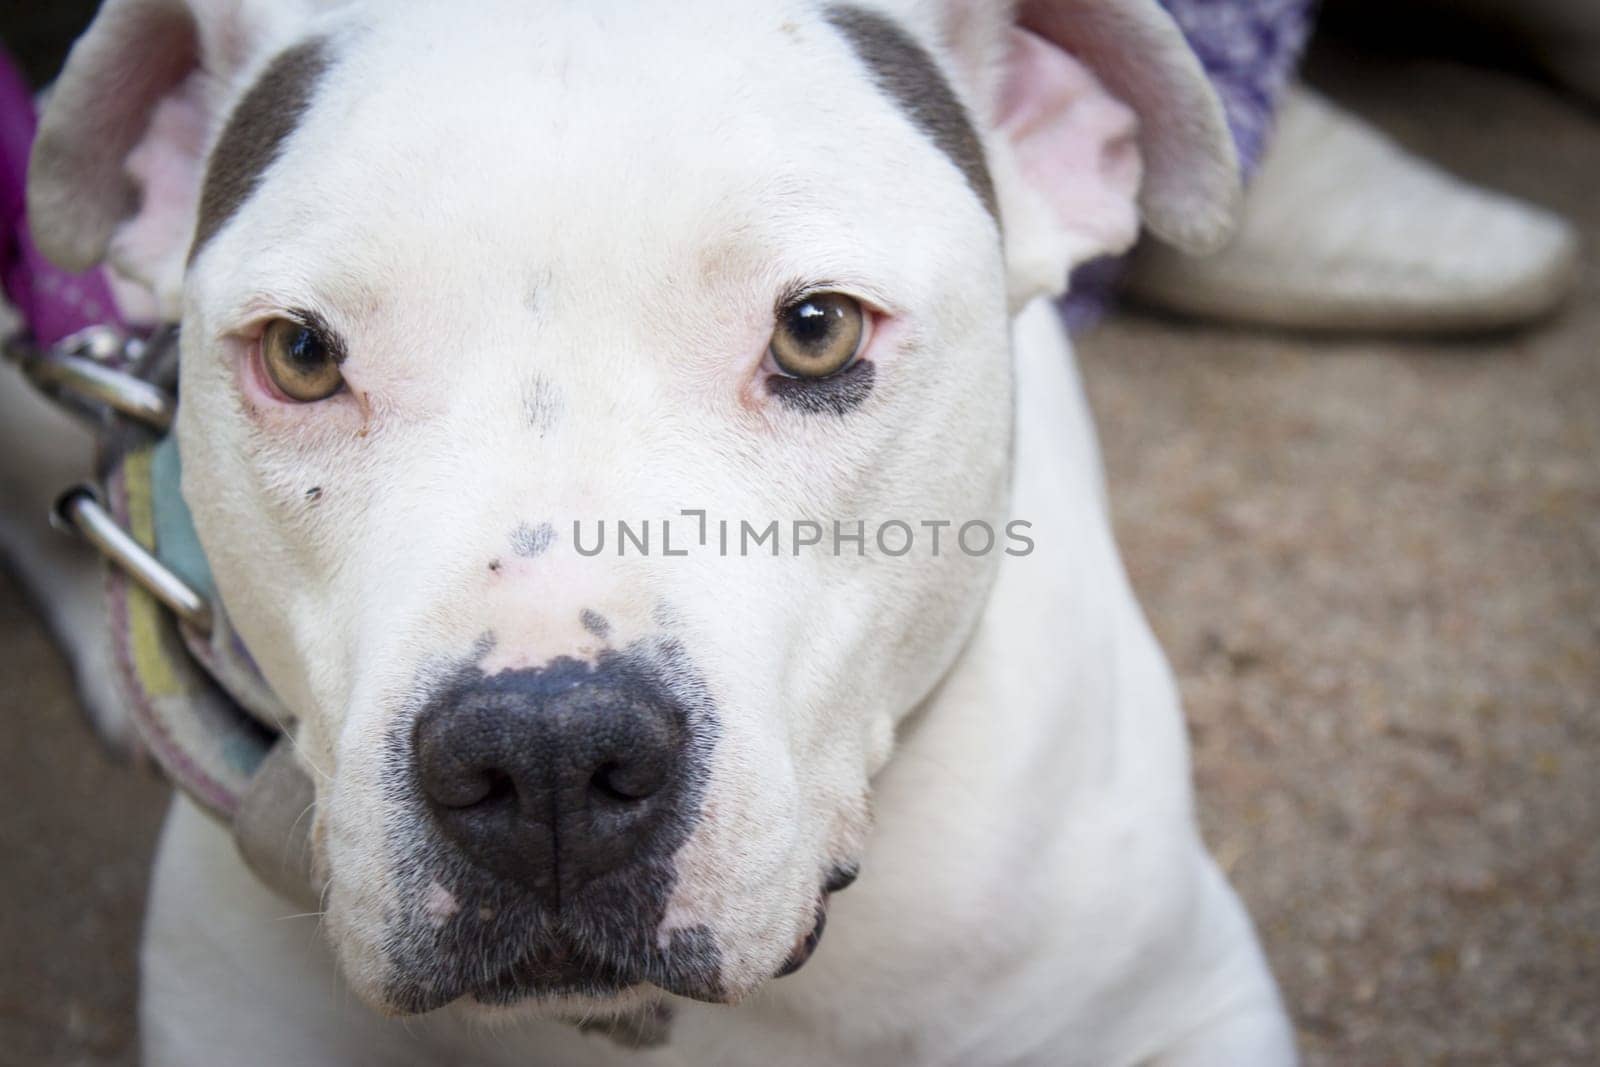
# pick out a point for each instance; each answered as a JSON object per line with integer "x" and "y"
{"x": 1099, "y": 115}
{"x": 118, "y": 163}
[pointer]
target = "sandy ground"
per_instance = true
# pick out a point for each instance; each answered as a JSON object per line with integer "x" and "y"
{"x": 1374, "y": 566}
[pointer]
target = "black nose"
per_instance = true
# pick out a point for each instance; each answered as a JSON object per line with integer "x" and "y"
{"x": 553, "y": 777}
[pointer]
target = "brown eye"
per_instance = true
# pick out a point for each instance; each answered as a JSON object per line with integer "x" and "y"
{"x": 818, "y": 335}
{"x": 302, "y": 360}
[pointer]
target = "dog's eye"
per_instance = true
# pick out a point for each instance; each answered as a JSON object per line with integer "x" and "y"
{"x": 301, "y": 360}
{"x": 818, "y": 335}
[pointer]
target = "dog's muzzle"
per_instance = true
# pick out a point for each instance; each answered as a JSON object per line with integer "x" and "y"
{"x": 537, "y": 816}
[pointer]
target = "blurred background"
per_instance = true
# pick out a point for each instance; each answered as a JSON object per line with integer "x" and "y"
{"x": 1373, "y": 555}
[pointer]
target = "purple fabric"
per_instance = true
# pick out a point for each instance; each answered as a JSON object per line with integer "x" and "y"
{"x": 53, "y": 303}
{"x": 1250, "y": 49}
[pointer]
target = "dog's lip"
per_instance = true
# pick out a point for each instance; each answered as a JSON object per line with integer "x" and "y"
{"x": 570, "y": 978}
{"x": 509, "y": 988}
{"x": 512, "y": 985}
{"x": 841, "y": 878}
{"x": 577, "y": 978}
{"x": 558, "y": 973}
{"x": 807, "y": 945}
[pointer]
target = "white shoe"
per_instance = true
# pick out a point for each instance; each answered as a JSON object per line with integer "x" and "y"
{"x": 1343, "y": 230}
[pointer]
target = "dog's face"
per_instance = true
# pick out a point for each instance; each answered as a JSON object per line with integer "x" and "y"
{"x": 464, "y": 288}
{"x": 551, "y": 269}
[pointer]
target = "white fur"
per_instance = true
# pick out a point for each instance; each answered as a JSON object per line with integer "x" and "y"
{"x": 552, "y": 236}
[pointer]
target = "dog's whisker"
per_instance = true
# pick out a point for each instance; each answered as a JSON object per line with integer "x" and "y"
{"x": 305, "y": 757}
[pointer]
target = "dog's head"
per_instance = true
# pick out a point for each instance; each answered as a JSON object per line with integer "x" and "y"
{"x": 465, "y": 287}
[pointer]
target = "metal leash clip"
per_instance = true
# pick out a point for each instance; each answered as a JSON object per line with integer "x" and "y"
{"x": 95, "y": 375}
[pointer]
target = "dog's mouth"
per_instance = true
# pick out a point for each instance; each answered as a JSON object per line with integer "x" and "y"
{"x": 560, "y": 974}
{"x": 567, "y": 970}
{"x": 554, "y": 970}
{"x": 544, "y": 979}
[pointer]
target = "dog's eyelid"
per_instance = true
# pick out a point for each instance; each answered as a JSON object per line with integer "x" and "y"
{"x": 872, "y": 300}
{"x": 249, "y": 319}
{"x": 331, "y": 338}
{"x": 252, "y": 329}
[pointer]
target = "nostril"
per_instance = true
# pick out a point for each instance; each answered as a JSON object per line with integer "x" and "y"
{"x": 615, "y": 783}
{"x": 467, "y": 789}
{"x": 459, "y": 772}
{"x": 502, "y": 789}
{"x": 455, "y": 783}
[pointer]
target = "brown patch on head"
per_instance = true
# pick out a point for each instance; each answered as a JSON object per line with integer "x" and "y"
{"x": 905, "y": 71}
{"x": 255, "y": 133}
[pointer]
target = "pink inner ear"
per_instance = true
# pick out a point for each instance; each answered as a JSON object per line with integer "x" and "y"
{"x": 167, "y": 168}
{"x": 1075, "y": 144}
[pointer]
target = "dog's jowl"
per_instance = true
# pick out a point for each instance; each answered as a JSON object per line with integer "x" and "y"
{"x": 488, "y": 274}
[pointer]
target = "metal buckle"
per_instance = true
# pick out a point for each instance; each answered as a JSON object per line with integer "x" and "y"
{"x": 80, "y": 510}
{"x": 83, "y": 374}
{"x": 77, "y": 371}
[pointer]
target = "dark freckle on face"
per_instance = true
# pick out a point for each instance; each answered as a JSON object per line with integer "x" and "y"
{"x": 542, "y": 406}
{"x": 531, "y": 542}
{"x": 836, "y": 395}
{"x": 595, "y": 623}
{"x": 494, "y": 566}
{"x": 314, "y": 494}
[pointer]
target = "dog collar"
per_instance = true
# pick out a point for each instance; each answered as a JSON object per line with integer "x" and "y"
{"x": 202, "y": 709}
{"x": 195, "y": 695}
{"x": 199, "y": 707}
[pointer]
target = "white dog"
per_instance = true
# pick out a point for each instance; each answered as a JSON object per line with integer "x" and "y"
{"x": 458, "y": 282}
